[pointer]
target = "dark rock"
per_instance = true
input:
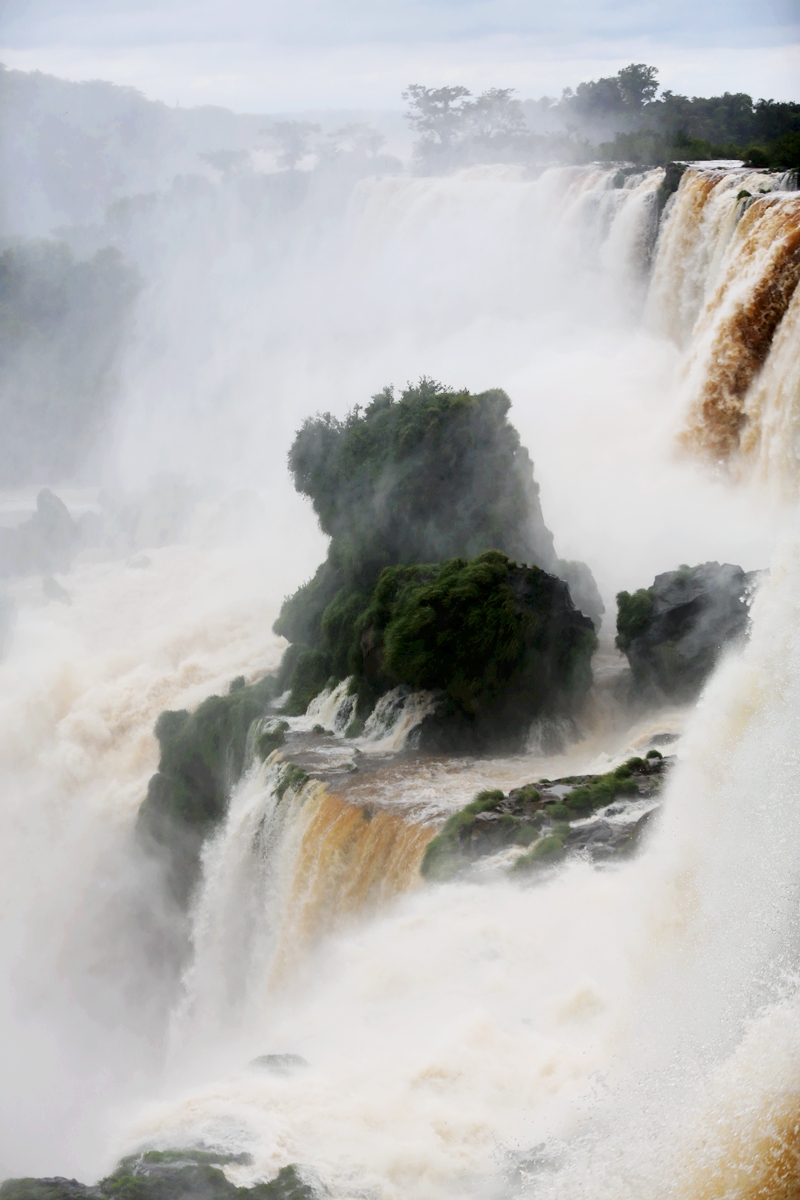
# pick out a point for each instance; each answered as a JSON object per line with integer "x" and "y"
{"x": 541, "y": 817}
{"x": 669, "y": 184}
{"x": 674, "y": 631}
{"x": 582, "y": 588}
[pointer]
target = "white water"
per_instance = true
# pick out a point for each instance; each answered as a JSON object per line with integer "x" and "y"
{"x": 451, "y": 1030}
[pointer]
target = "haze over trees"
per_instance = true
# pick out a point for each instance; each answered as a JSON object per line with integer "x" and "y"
{"x": 62, "y": 327}
{"x": 618, "y": 118}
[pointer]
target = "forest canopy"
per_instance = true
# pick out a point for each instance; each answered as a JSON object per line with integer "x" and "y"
{"x": 620, "y": 118}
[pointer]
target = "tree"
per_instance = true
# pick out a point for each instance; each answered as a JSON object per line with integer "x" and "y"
{"x": 356, "y": 138}
{"x": 292, "y": 140}
{"x": 437, "y": 114}
{"x": 494, "y": 116}
{"x": 638, "y": 85}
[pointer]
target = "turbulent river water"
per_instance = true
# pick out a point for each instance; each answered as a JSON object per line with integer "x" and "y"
{"x": 620, "y": 1032}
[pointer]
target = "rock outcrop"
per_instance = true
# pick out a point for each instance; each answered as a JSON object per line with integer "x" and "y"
{"x": 598, "y": 816}
{"x": 673, "y": 632}
{"x": 500, "y": 643}
{"x": 167, "y": 1175}
{"x": 45, "y": 543}
{"x": 415, "y": 484}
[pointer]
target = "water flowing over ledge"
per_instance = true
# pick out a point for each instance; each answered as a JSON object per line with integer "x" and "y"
{"x": 601, "y": 1034}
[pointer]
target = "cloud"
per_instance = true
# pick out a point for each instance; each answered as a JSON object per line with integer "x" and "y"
{"x": 360, "y": 53}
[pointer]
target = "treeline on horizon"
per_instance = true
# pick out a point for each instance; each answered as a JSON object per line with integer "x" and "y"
{"x": 621, "y": 118}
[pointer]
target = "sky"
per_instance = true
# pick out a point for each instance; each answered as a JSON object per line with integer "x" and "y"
{"x": 267, "y": 55}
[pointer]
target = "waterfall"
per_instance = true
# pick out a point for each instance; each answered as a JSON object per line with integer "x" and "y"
{"x": 610, "y": 1033}
{"x": 725, "y": 281}
{"x": 290, "y": 865}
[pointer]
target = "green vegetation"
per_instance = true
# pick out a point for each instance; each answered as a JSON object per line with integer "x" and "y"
{"x": 291, "y": 777}
{"x": 633, "y": 613}
{"x": 530, "y": 817}
{"x": 62, "y": 326}
{"x": 423, "y": 497}
{"x": 586, "y": 798}
{"x": 431, "y": 475}
{"x": 202, "y": 756}
{"x": 165, "y": 1175}
{"x": 461, "y": 627}
{"x": 546, "y": 851}
{"x": 449, "y": 851}
{"x": 619, "y": 118}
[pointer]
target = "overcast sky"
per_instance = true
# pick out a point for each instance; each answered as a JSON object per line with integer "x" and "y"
{"x": 262, "y": 55}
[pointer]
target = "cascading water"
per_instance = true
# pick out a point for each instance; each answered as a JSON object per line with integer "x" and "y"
{"x": 617, "y": 1033}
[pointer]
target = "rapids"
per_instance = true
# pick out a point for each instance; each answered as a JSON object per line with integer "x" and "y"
{"x": 620, "y": 1032}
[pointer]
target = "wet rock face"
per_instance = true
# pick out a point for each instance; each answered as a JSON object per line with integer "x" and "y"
{"x": 550, "y": 819}
{"x": 674, "y": 632}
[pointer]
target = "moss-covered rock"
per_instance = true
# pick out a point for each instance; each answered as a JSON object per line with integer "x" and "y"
{"x": 166, "y": 1175}
{"x": 420, "y": 479}
{"x": 202, "y": 757}
{"x": 673, "y": 632}
{"x": 542, "y": 816}
{"x": 502, "y": 642}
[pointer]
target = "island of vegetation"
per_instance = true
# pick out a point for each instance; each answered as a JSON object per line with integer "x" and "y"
{"x": 550, "y": 819}
{"x": 440, "y": 573}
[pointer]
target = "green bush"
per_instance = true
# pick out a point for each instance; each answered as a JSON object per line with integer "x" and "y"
{"x": 292, "y": 777}
{"x": 444, "y": 855}
{"x": 547, "y": 850}
{"x": 420, "y": 478}
{"x": 633, "y": 613}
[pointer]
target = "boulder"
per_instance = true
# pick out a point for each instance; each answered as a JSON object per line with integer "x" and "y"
{"x": 551, "y": 818}
{"x": 673, "y": 632}
{"x": 169, "y": 1175}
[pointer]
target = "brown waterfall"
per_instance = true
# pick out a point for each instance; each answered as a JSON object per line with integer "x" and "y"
{"x": 734, "y": 334}
{"x": 755, "y": 1155}
{"x": 347, "y": 861}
